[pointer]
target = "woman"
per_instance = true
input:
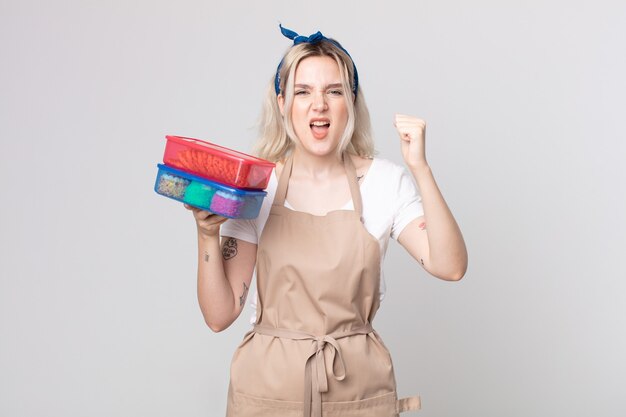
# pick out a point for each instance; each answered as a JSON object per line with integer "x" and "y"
{"x": 318, "y": 245}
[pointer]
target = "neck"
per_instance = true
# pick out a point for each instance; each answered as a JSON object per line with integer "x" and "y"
{"x": 314, "y": 166}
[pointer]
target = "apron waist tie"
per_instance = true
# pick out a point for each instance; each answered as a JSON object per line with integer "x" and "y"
{"x": 315, "y": 379}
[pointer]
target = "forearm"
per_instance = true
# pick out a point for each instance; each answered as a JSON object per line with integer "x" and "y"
{"x": 215, "y": 294}
{"x": 447, "y": 254}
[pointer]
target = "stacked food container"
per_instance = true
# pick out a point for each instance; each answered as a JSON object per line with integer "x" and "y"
{"x": 212, "y": 177}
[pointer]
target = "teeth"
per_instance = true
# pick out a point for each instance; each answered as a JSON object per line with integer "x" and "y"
{"x": 320, "y": 123}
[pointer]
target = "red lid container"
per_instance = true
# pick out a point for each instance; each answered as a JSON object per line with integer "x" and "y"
{"x": 217, "y": 163}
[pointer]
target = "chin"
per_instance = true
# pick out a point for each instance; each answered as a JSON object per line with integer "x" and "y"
{"x": 323, "y": 150}
{"x": 319, "y": 147}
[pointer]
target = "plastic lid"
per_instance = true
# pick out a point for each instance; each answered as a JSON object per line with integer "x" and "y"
{"x": 229, "y": 153}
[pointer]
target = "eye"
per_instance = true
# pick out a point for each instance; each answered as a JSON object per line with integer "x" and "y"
{"x": 335, "y": 92}
{"x": 300, "y": 92}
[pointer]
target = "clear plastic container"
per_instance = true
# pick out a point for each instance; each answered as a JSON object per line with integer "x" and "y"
{"x": 208, "y": 195}
{"x": 217, "y": 163}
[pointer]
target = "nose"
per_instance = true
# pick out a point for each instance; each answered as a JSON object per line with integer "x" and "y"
{"x": 319, "y": 101}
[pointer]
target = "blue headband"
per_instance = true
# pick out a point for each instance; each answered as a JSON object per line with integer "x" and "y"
{"x": 313, "y": 39}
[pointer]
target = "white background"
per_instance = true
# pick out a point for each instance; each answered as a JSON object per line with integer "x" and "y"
{"x": 525, "y": 105}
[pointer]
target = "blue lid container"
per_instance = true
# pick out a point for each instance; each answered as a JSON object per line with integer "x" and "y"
{"x": 208, "y": 195}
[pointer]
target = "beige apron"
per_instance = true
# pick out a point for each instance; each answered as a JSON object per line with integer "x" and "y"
{"x": 313, "y": 351}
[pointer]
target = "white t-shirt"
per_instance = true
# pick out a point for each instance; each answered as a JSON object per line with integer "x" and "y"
{"x": 390, "y": 197}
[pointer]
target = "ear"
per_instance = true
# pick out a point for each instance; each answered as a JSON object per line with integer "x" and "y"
{"x": 280, "y": 99}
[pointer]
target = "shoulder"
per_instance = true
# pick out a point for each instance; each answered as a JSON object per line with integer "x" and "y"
{"x": 386, "y": 169}
{"x": 361, "y": 163}
{"x": 380, "y": 169}
{"x": 389, "y": 181}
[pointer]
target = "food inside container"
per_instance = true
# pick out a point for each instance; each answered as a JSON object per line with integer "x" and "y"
{"x": 208, "y": 195}
{"x": 217, "y": 163}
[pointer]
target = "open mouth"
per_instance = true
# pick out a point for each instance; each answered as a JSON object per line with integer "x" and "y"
{"x": 320, "y": 128}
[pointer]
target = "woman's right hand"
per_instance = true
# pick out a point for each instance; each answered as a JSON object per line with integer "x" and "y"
{"x": 224, "y": 270}
{"x": 208, "y": 223}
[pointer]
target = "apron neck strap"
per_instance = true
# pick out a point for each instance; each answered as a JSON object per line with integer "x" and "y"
{"x": 283, "y": 182}
{"x": 355, "y": 192}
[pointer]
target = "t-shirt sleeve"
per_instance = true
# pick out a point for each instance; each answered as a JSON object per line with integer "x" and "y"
{"x": 240, "y": 229}
{"x": 409, "y": 204}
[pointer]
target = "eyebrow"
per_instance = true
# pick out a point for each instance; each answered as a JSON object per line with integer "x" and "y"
{"x": 334, "y": 85}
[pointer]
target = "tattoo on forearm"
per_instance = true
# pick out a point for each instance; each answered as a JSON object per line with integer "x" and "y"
{"x": 242, "y": 299}
{"x": 422, "y": 261}
{"x": 206, "y": 256}
{"x": 230, "y": 248}
{"x": 422, "y": 226}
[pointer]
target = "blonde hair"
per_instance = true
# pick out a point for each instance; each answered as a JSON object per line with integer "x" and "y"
{"x": 277, "y": 136}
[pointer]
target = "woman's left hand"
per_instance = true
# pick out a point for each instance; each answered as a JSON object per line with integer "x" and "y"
{"x": 441, "y": 249}
{"x": 412, "y": 133}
